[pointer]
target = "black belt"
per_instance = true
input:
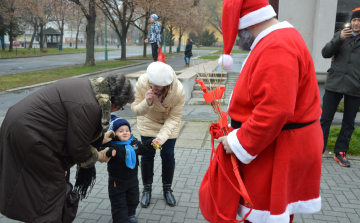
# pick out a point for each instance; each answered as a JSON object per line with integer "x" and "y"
{"x": 237, "y": 125}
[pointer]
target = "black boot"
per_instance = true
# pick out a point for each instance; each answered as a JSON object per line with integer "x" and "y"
{"x": 167, "y": 177}
{"x": 147, "y": 173}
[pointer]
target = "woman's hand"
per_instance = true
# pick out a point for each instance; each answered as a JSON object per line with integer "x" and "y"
{"x": 102, "y": 158}
{"x": 157, "y": 141}
{"x": 108, "y": 136}
{"x": 149, "y": 96}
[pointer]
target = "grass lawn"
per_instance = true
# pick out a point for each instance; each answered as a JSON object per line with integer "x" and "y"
{"x": 206, "y": 48}
{"x": 21, "y": 52}
{"x": 20, "y": 80}
{"x": 233, "y": 51}
{"x": 209, "y": 57}
{"x": 354, "y": 142}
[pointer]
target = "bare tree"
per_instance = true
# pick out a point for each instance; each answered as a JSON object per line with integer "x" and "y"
{"x": 75, "y": 20}
{"x": 213, "y": 15}
{"x": 62, "y": 11}
{"x": 120, "y": 14}
{"x": 90, "y": 15}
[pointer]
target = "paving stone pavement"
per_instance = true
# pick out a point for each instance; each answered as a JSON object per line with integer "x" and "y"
{"x": 340, "y": 187}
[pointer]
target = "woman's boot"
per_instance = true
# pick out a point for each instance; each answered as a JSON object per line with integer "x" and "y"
{"x": 147, "y": 173}
{"x": 167, "y": 178}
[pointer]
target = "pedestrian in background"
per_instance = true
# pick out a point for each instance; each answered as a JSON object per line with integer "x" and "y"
{"x": 159, "y": 103}
{"x": 343, "y": 81}
{"x": 188, "y": 52}
{"x": 154, "y": 36}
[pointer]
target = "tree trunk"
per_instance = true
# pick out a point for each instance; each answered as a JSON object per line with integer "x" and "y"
{"x": 180, "y": 35}
{"x": 77, "y": 35}
{"x": 146, "y": 32}
{"x": 90, "y": 34}
{"x": 10, "y": 37}
{"x": 170, "y": 33}
{"x": 123, "y": 42}
{"x": 33, "y": 36}
{"x": 62, "y": 33}
{"x": 41, "y": 37}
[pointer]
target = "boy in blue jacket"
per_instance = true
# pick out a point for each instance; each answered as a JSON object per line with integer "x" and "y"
{"x": 123, "y": 170}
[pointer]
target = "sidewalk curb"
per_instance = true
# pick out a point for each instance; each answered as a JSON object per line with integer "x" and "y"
{"x": 4, "y": 58}
{"x": 81, "y": 75}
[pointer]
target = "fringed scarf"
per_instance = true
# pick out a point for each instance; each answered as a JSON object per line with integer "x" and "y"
{"x": 85, "y": 178}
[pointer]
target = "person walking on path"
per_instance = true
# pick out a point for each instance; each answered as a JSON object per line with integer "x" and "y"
{"x": 63, "y": 121}
{"x": 274, "y": 109}
{"x": 159, "y": 103}
{"x": 123, "y": 169}
{"x": 154, "y": 36}
{"x": 188, "y": 52}
{"x": 343, "y": 81}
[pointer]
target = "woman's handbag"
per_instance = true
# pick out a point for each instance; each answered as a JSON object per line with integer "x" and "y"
{"x": 161, "y": 56}
{"x": 72, "y": 199}
{"x": 222, "y": 188}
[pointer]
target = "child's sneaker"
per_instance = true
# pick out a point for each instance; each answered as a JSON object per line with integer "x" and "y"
{"x": 132, "y": 219}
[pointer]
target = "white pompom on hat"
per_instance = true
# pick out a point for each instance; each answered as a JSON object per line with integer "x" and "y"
{"x": 160, "y": 74}
{"x": 241, "y": 14}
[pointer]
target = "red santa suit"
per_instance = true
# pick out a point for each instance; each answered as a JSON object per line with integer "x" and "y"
{"x": 281, "y": 169}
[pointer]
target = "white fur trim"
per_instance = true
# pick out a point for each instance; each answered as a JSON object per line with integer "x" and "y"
{"x": 226, "y": 61}
{"x": 237, "y": 148}
{"x": 282, "y": 25}
{"x": 257, "y": 16}
{"x": 299, "y": 207}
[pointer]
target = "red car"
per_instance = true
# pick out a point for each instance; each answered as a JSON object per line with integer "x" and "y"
{"x": 16, "y": 43}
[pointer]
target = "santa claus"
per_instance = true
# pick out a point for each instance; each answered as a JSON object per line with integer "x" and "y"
{"x": 274, "y": 110}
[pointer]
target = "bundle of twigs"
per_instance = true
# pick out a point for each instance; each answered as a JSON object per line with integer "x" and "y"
{"x": 213, "y": 96}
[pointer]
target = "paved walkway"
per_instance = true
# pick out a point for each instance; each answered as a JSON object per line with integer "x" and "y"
{"x": 340, "y": 187}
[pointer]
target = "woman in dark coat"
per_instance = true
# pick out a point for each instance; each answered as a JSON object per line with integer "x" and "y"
{"x": 188, "y": 52}
{"x": 60, "y": 121}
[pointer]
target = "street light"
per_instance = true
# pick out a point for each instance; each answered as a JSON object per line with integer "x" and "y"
{"x": 165, "y": 40}
{"x": 106, "y": 53}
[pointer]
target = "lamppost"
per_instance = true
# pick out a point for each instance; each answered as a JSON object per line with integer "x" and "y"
{"x": 106, "y": 53}
{"x": 165, "y": 40}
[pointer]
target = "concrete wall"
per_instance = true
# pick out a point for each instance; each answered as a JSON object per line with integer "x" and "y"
{"x": 315, "y": 21}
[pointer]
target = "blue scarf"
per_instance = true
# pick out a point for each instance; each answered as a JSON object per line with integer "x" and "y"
{"x": 130, "y": 155}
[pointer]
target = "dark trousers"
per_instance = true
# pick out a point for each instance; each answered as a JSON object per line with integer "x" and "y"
{"x": 154, "y": 49}
{"x": 167, "y": 153}
{"x": 124, "y": 198}
{"x": 351, "y": 106}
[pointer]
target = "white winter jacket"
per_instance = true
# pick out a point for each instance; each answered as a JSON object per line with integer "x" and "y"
{"x": 161, "y": 120}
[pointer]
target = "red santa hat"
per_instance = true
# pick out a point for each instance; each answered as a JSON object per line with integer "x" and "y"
{"x": 240, "y": 14}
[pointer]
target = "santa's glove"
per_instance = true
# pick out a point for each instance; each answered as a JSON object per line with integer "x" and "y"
{"x": 109, "y": 135}
{"x": 92, "y": 160}
{"x": 102, "y": 156}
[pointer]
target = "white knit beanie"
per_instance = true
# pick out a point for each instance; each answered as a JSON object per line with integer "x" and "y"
{"x": 160, "y": 74}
